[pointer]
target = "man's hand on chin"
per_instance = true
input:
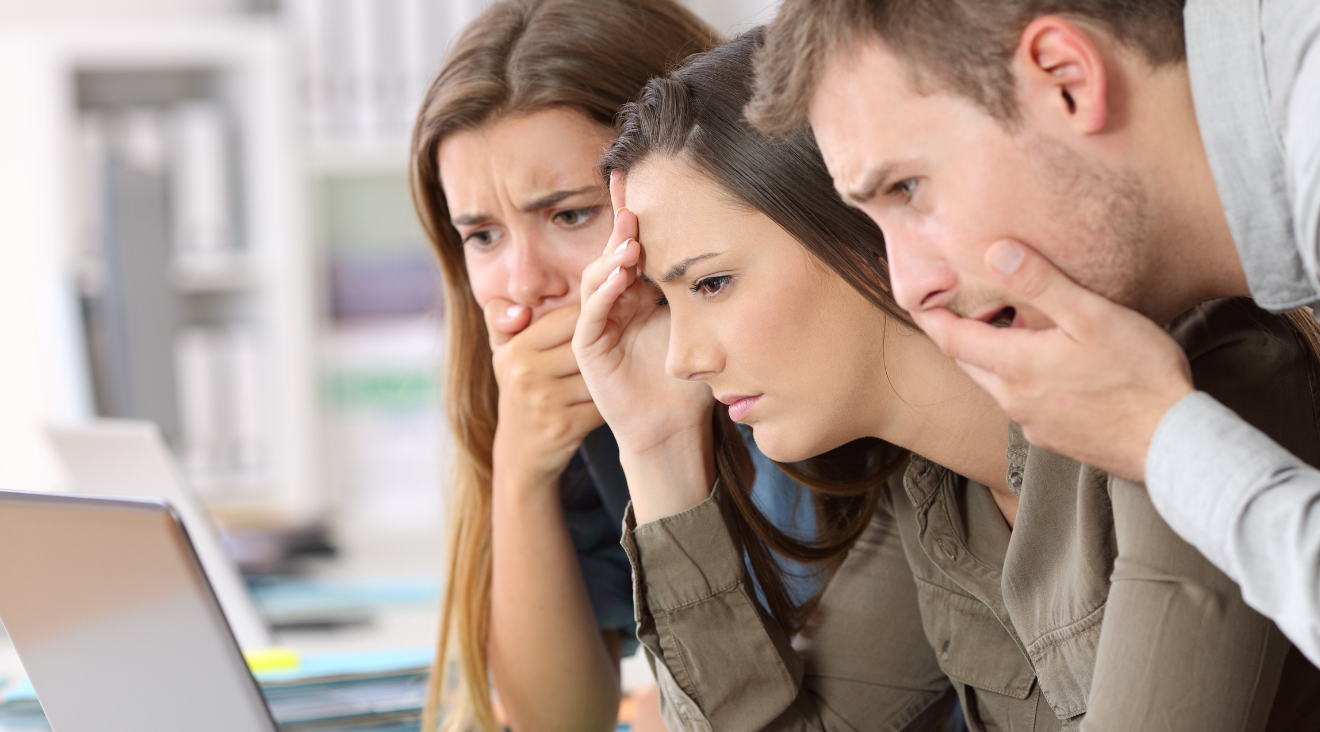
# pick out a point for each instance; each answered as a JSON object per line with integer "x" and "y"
{"x": 1094, "y": 386}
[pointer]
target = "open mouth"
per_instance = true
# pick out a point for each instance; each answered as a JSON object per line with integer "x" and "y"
{"x": 1003, "y": 318}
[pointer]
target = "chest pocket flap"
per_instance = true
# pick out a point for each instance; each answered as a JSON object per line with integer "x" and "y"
{"x": 972, "y": 646}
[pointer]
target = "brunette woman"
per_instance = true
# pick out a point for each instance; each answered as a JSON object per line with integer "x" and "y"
{"x": 1044, "y": 594}
{"x": 538, "y": 591}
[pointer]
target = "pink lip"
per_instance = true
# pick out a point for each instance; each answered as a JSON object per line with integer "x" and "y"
{"x": 739, "y": 406}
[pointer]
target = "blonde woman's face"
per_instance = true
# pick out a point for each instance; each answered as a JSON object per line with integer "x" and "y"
{"x": 526, "y": 199}
{"x": 792, "y": 348}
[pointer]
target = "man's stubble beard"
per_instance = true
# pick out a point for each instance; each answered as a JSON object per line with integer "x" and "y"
{"x": 1103, "y": 235}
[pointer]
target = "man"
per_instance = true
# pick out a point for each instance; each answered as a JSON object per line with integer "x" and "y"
{"x": 1084, "y": 170}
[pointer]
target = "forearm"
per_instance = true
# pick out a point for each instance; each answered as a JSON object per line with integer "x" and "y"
{"x": 1248, "y": 505}
{"x": 670, "y": 478}
{"x": 550, "y": 664}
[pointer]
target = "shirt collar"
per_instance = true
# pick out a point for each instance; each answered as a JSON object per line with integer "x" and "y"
{"x": 1226, "y": 64}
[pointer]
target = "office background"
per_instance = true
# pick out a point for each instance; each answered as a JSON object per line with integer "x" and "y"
{"x": 205, "y": 223}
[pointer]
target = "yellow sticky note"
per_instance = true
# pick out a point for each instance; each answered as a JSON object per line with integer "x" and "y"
{"x": 274, "y": 658}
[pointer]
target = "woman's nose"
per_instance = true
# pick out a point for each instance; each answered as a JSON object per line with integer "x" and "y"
{"x": 533, "y": 278}
{"x": 690, "y": 357}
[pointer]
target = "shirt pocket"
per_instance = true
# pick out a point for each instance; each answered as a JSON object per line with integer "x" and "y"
{"x": 970, "y": 643}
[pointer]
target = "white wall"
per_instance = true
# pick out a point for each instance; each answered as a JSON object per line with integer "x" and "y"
{"x": 727, "y": 15}
{"x": 734, "y": 16}
{"x": 14, "y": 12}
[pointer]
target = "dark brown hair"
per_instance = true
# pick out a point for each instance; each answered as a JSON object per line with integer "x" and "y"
{"x": 519, "y": 56}
{"x": 962, "y": 46}
{"x": 696, "y": 114}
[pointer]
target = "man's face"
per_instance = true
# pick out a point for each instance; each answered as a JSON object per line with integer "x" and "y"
{"x": 944, "y": 180}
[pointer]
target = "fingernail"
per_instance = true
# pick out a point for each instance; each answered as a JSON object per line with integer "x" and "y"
{"x": 1006, "y": 257}
{"x": 622, "y": 247}
{"x": 617, "y": 210}
{"x": 615, "y": 273}
{"x": 514, "y": 311}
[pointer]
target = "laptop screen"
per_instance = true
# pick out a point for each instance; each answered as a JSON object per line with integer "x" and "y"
{"x": 115, "y": 622}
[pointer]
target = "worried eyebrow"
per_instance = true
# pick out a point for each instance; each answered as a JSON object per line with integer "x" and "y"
{"x": 678, "y": 270}
{"x": 554, "y": 198}
{"x": 870, "y": 183}
{"x": 549, "y": 200}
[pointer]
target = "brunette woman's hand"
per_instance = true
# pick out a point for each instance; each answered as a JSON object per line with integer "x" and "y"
{"x": 545, "y": 410}
{"x": 662, "y": 424}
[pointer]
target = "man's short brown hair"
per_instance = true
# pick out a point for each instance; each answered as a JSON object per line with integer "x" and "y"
{"x": 962, "y": 46}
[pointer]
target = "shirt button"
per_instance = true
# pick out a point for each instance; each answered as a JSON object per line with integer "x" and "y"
{"x": 1015, "y": 479}
{"x": 944, "y": 652}
{"x": 948, "y": 548}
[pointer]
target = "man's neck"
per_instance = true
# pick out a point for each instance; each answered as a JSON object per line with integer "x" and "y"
{"x": 1191, "y": 257}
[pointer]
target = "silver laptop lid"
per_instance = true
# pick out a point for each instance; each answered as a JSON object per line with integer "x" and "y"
{"x": 130, "y": 459}
{"x": 115, "y": 622}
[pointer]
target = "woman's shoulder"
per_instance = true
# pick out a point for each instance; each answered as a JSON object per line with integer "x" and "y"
{"x": 1257, "y": 363}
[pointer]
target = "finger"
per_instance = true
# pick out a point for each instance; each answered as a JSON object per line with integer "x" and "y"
{"x": 625, "y": 227}
{"x": 625, "y": 254}
{"x": 553, "y": 329}
{"x": 504, "y": 320}
{"x": 1036, "y": 280}
{"x": 979, "y": 344}
{"x": 987, "y": 380}
{"x": 573, "y": 390}
{"x": 596, "y": 309}
{"x": 559, "y": 361}
{"x": 586, "y": 415}
{"x": 617, "y": 191}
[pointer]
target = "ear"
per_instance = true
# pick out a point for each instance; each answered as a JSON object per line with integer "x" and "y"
{"x": 1063, "y": 75}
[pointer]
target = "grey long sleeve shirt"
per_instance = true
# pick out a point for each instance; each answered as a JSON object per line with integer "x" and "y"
{"x": 1243, "y": 499}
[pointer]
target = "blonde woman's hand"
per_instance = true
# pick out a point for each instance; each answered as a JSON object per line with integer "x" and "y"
{"x": 545, "y": 409}
{"x": 661, "y": 423}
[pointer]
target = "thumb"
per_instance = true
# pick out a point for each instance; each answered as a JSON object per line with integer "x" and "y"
{"x": 504, "y": 320}
{"x": 1035, "y": 280}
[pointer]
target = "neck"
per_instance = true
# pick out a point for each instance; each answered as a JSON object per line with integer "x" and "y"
{"x": 929, "y": 405}
{"x": 1191, "y": 256}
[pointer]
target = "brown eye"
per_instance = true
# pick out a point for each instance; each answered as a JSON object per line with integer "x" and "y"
{"x": 905, "y": 188}
{"x": 575, "y": 217}
{"x": 483, "y": 239}
{"x": 711, "y": 285}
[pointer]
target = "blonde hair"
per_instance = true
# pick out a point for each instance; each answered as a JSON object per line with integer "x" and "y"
{"x": 517, "y": 57}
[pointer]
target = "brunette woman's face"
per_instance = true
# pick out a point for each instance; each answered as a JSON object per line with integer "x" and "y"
{"x": 793, "y": 349}
{"x": 526, "y": 199}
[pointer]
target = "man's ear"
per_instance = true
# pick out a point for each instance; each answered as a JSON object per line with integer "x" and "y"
{"x": 1062, "y": 75}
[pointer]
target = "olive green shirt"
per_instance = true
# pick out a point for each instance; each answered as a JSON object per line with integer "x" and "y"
{"x": 1090, "y": 614}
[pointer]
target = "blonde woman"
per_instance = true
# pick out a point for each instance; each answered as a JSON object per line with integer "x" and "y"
{"x": 505, "y": 149}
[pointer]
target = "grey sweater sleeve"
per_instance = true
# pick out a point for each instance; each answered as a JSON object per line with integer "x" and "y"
{"x": 1246, "y": 503}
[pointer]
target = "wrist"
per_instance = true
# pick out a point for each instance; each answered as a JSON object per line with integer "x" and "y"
{"x": 670, "y": 477}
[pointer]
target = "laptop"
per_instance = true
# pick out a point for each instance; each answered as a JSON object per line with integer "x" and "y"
{"x": 130, "y": 458}
{"x": 114, "y": 619}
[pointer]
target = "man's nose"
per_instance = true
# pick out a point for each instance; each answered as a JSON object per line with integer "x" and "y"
{"x": 919, "y": 274}
{"x": 533, "y": 278}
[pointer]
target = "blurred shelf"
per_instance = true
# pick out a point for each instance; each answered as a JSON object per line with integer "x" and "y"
{"x": 211, "y": 273}
{"x": 359, "y": 158}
